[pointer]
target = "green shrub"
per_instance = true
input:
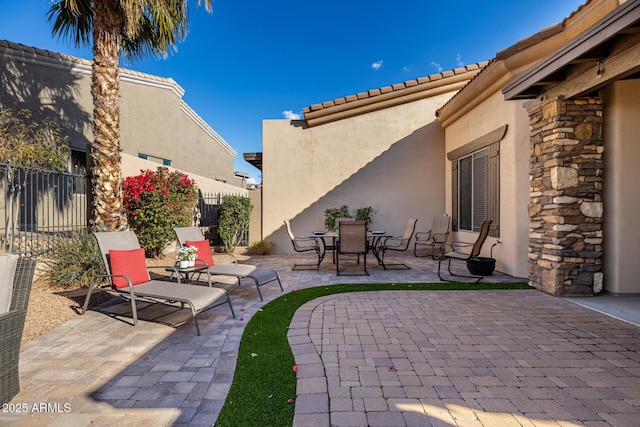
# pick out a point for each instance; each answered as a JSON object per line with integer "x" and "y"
{"x": 365, "y": 214}
{"x": 360, "y": 214}
{"x": 155, "y": 202}
{"x": 75, "y": 261}
{"x": 235, "y": 212}
{"x": 331, "y": 214}
{"x": 262, "y": 247}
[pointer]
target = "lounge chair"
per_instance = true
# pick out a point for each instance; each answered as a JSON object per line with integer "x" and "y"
{"x": 352, "y": 241}
{"x": 192, "y": 236}
{"x": 306, "y": 244}
{"x": 435, "y": 238}
{"x": 128, "y": 275}
{"x": 456, "y": 254}
{"x": 16, "y": 275}
{"x": 398, "y": 244}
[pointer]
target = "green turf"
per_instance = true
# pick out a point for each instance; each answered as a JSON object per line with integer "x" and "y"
{"x": 264, "y": 380}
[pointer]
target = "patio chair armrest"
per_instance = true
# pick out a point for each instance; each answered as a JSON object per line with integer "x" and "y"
{"x": 440, "y": 237}
{"x": 426, "y": 234}
{"x": 127, "y": 278}
{"x": 385, "y": 242}
{"x": 456, "y": 244}
{"x": 306, "y": 239}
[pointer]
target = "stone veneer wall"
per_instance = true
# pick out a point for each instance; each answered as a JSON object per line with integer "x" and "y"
{"x": 565, "y": 208}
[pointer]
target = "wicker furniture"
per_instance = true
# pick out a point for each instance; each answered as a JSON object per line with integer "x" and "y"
{"x": 12, "y": 322}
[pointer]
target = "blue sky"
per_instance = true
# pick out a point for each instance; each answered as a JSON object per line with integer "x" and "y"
{"x": 254, "y": 60}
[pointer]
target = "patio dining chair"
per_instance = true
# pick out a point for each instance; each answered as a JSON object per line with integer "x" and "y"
{"x": 435, "y": 238}
{"x": 457, "y": 254}
{"x": 352, "y": 241}
{"x": 192, "y": 236}
{"x": 127, "y": 272}
{"x": 332, "y": 247}
{"x": 305, "y": 244}
{"x": 398, "y": 244}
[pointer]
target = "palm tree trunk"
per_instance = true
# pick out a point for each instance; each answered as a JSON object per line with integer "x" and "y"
{"x": 106, "y": 176}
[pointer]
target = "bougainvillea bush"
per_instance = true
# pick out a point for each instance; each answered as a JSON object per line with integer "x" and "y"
{"x": 155, "y": 202}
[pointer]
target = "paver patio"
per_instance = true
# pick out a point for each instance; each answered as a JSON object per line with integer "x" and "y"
{"x": 376, "y": 358}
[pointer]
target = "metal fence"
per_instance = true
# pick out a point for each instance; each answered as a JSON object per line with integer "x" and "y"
{"x": 37, "y": 205}
{"x": 209, "y": 215}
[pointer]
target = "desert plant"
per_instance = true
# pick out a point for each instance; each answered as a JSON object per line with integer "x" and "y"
{"x": 155, "y": 202}
{"x": 262, "y": 247}
{"x": 235, "y": 212}
{"x": 75, "y": 261}
{"x": 331, "y": 214}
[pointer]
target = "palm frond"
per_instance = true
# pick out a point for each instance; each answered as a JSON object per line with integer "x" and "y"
{"x": 72, "y": 19}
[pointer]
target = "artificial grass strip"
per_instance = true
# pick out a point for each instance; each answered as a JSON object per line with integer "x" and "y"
{"x": 264, "y": 380}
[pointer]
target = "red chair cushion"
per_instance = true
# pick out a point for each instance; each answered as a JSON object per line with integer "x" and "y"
{"x": 204, "y": 250}
{"x": 130, "y": 263}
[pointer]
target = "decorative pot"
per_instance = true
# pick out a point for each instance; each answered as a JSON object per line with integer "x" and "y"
{"x": 192, "y": 263}
{"x": 481, "y": 266}
{"x": 183, "y": 264}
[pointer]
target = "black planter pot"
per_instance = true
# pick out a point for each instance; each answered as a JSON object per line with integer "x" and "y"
{"x": 481, "y": 266}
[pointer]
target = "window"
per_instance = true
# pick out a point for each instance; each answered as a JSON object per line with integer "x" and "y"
{"x": 164, "y": 162}
{"x": 473, "y": 191}
{"x": 475, "y": 183}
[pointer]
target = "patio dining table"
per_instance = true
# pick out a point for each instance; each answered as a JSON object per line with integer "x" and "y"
{"x": 373, "y": 237}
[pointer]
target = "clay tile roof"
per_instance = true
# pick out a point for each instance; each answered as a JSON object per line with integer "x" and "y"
{"x": 398, "y": 89}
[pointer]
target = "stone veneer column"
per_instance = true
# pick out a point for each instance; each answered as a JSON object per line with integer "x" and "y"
{"x": 565, "y": 202}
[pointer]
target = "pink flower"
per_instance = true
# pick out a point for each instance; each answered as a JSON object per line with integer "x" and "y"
{"x": 240, "y": 318}
{"x": 295, "y": 368}
{"x": 289, "y": 400}
{"x": 270, "y": 396}
{"x": 391, "y": 368}
{"x": 293, "y": 290}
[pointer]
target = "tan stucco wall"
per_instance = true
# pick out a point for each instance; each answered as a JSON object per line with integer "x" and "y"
{"x": 154, "y": 118}
{"x": 131, "y": 166}
{"x": 511, "y": 254}
{"x": 156, "y": 122}
{"x": 255, "y": 222}
{"x": 621, "y": 187}
{"x": 389, "y": 159}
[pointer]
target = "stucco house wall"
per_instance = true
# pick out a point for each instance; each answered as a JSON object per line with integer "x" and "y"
{"x": 389, "y": 159}
{"x": 154, "y": 119}
{"x": 511, "y": 254}
{"x": 621, "y": 190}
{"x": 480, "y": 107}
